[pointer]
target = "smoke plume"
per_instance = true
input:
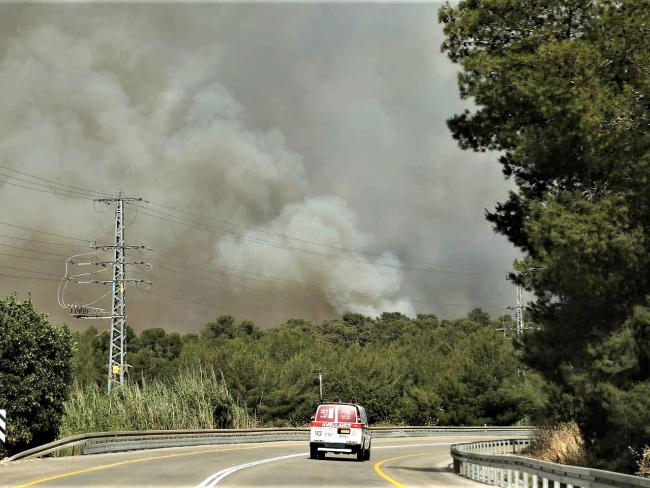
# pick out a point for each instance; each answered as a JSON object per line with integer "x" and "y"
{"x": 303, "y": 141}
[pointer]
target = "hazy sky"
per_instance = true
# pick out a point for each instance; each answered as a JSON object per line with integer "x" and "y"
{"x": 310, "y": 139}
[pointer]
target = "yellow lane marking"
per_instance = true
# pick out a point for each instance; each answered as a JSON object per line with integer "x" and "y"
{"x": 132, "y": 461}
{"x": 393, "y": 481}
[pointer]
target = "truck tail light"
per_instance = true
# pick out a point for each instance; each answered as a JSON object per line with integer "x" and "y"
{"x": 356, "y": 426}
{"x": 315, "y": 424}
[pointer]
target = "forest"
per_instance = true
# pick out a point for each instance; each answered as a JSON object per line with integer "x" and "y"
{"x": 421, "y": 371}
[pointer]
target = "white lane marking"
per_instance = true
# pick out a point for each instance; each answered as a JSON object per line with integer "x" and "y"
{"x": 214, "y": 479}
{"x": 218, "y": 476}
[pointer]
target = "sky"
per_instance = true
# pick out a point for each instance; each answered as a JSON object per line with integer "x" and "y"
{"x": 295, "y": 157}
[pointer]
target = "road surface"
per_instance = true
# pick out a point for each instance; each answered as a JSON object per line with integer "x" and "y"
{"x": 398, "y": 462}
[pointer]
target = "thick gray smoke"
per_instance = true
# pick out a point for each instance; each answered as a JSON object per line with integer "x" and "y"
{"x": 321, "y": 123}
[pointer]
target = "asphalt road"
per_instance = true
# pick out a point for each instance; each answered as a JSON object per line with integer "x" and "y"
{"x": 399, "y": 462}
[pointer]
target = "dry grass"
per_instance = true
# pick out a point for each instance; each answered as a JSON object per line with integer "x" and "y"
{"x": 559, "y": 443}
{"x": 644, "y": 463}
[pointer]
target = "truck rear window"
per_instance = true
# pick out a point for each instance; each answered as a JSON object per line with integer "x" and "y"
{"x": 347, "y": 413}
{"x": 326, "y": 413}
{"x": 338, "y": 413}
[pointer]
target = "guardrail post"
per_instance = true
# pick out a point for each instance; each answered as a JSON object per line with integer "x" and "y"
{"x": 510, "y": 478}
{"x": 525, "y": 479}
{"x": 517, "y": 478}
{"x": 544, "y": 482}
{"x": 535, "y": 481}
{"x": 556, "y": 484}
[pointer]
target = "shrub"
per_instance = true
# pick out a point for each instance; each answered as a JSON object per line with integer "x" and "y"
{"x": 35, "y": 374}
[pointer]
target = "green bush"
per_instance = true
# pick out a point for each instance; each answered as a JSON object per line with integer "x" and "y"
{"x": 418, "y": 371}
{"x": 35, "y": 374}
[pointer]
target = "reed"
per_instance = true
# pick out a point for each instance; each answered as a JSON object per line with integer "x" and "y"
{"x": 190, "y": 400}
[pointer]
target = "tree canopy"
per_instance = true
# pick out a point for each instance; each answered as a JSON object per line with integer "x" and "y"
{"x": 405, "y": 371}
{"x": 562, "y": 93}
{"x": 35, "y": 374}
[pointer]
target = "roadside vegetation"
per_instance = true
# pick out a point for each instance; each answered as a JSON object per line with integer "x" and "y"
{"x": 559, "y": 91}
{"x": 189, "y": 400}
{"x": 560, "y": 442}
{"x": 421, "y": 371}
{"x": 644, "y": 463}
{"x": 35, "y": 374}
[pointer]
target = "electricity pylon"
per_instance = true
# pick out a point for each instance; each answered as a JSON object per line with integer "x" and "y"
{"x": 519, "y": 311}
{"x": 117, "y": 348}
{"x": 519, "y": 308}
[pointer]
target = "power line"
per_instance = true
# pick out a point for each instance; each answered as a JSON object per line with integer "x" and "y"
{"x": 38, "y": 251}
{"x": 267, "y": 277}
{"x": 13, "y": 268}
{"x": 167, "y": 266}
{"x": 258, "y": 276}
{"x": 31, "y": 257}
{"x": 166, "y": 217}
{"x": 47, "y": 186}
{"x": 267, "y": 311}
{"x": 94, "y": 192}
{"x": 209, "y": 305}
{"x": 205, "y": 304}
{"x": 35, "y": 278}
{"x": 45, "y": 191}
{"x": 306, "y": 241}
{"x": 271, "y": 279}
{"x": 254, "y": 239}
{"x": 289, "y": 302}
{"x": 43, "y": 232}
{"x": 37, "y": 241}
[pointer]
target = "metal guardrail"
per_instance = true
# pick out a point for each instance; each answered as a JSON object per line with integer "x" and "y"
{"x": 496, "y": 463}
{"x": 104, "y": 442}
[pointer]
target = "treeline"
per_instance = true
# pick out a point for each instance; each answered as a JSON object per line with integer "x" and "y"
{"x": 421, "y": 371}
{"x": 559, "y": 92}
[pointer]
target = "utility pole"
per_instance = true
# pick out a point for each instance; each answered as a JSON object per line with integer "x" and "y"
{"x": 320, "y": 383}
{"x": 118, "y": 317}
